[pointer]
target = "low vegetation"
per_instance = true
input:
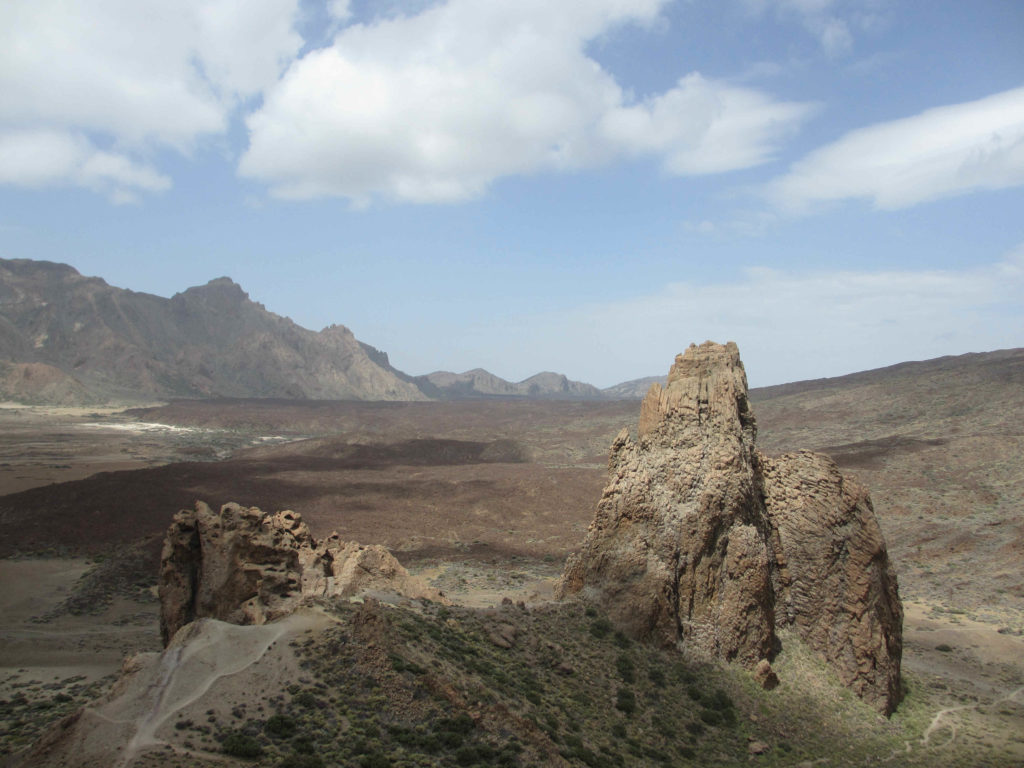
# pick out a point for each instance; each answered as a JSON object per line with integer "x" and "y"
{"x": 432, "y": 685}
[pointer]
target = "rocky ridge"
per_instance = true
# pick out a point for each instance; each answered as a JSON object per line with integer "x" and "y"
{"x": 244, "y": 566}
{"x": 478, "y": 383}
{"x": 702, "y": 541}
{"x": 96, "y": 342}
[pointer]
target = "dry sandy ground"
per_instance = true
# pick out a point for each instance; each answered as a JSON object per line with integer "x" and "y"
{"x": 35, "y": 646}
{"x": 51, "y": 662}
{"x": 40, "y": 445}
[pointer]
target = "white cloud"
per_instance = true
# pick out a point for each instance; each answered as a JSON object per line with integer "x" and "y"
{"x": 244, "y": 46}
{"x": 339, "y": 10}
{"x": 941, "y": 152}
{"x": 436, "y": 106}
{"x": 835, "y": 36}
{"x": 790, "y": 325}
{"x": 45, "y": 157}
{"x": 139, "y": 75}
{"x": 702, "y": 126}
{"x": 829, "y": 21}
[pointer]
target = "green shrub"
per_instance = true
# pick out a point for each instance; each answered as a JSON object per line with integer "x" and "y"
{"x": 374, "y": 760}
{"x": 450, "y": 739}
{"x": 601, "y": 628}
{"x": 682, "y": 674}
{"x": 719, "y": 700}
{"x": 302, "y": 761}
{"x": 625, "y": 668}
{"x": 711, "y": 716}
{"x": 279, "y": 727}
{"x": 625, "y": 701}
{"x": 404, "y": 665}
{"x": 461, "y": 723}
{"x": 239, "y": 744}
{"x": 306, "y": 699}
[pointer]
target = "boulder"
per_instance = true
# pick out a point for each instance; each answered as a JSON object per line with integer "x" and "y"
{"x": 246, "y": 566}
{"x": 765, "y": 676}
{"x": 702, "y": 542}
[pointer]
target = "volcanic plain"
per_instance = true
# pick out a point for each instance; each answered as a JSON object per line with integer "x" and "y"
{"x": 486, "y": 498}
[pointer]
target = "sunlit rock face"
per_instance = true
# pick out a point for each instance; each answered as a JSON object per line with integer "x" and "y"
{"x": 700, "y": 540}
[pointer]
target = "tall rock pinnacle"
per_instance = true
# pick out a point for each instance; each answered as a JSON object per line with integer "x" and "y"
{"x": 699, "y": 540}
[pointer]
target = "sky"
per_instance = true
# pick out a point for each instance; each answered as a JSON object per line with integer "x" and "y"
{"x": 580, "y": 186}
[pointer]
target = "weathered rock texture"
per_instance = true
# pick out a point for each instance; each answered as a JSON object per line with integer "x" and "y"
{"x": 701, "y": 540}
{"x": 245, "y": 566}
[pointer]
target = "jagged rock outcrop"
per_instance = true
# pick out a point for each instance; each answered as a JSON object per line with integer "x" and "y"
{"x": 701, "y": 540}
{"x": 246, "y": 566}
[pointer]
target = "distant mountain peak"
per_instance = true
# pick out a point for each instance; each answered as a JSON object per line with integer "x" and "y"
{"x": 479, "y": 382}
{"x": 220, "y": 288}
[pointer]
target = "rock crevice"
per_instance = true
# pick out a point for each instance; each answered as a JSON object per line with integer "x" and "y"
{"x": 701, "y": 540}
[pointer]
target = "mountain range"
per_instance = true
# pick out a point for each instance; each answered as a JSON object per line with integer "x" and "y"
{"x": 70, "y": 339}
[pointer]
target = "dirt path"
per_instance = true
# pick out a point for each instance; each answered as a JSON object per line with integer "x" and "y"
{"x": 937, "y": 721}
{"x": 187, "y": 670}
{"x": 973, "y": 661}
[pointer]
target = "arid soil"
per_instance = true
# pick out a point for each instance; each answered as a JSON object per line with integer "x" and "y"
{"x": 487, "y": 498}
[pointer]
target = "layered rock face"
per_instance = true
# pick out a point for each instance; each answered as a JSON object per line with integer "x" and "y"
{"x": 702, "y": 541}
{"x": 245, "y": 566}
{"x": 838, "y": 588}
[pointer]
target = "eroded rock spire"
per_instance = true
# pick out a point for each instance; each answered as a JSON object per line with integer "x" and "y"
{"x": 702, "y": 541}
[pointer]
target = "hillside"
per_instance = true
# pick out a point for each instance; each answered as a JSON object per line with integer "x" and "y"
{"x": 939, "y": 445}
{"x": 95, "y": 342}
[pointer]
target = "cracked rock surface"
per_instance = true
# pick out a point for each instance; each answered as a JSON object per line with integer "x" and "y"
{"x": 702, "y": 541}
{"x": 245, "y": 566}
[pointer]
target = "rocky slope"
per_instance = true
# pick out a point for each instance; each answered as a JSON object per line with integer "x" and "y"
{"x": 635, "y": 389}
{"x": 100, "y": 342}
{"x": 699, "y": 540}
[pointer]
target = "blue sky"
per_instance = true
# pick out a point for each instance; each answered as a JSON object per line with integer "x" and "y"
{"x": 585, "y": 187}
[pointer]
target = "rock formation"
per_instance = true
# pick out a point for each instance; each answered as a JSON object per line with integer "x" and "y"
{"x": 245, "y": 566}
{"x": 700, "y": 540}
